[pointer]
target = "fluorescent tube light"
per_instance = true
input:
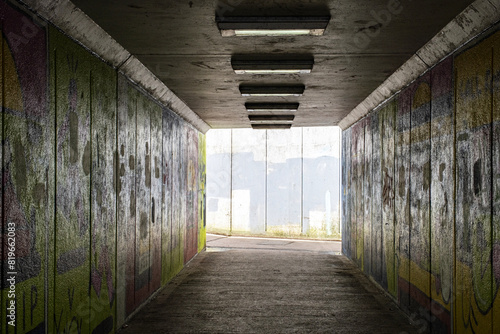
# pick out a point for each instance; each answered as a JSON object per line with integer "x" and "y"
{"x": 272, "y": 26}
{"x": 272, "y": 66}
{"x": 271, "y": 126}
{"x": 271, "y": 33}
{"x": 272, "y": 71}
{"x": 270, "y": 107}
{"x": 272, "y": 90}
{"x": 273, "y": 119}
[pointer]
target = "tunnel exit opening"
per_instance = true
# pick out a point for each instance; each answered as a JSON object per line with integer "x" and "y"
{"x": 279, "y": 183}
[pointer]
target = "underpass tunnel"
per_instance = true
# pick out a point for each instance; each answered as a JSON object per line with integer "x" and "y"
{"x": 131, "y": 129}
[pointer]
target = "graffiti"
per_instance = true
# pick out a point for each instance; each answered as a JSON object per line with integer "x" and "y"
{"x": 25, "y": 168}
{"x": 445, "y": 161}
{"x": 387, "y": 190}
{"x": 191, "y": 240}
{"x": 202, "y": 179}
{"x": 438, "y": 179}
{"x": 69, "y": 184}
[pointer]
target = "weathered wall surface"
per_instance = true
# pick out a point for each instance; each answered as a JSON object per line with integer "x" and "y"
{"x": 421, "y": 193}
{"x": 102, "y": 187}
{"x": 274, "y": 182}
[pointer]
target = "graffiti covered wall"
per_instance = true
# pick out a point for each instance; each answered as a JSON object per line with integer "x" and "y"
{"x": 427, "y": 165}
{"x": 102, "y": 187}
{"x": 27, "y": 180}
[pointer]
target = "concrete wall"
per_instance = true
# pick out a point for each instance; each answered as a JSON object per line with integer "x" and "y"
{"x": 274, "y": 182}
{"x": 102, "y": 187}
{"x": 421, "y": 193}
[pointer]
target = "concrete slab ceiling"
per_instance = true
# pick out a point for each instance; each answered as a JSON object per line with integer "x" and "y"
{"x": 364, "y": 43}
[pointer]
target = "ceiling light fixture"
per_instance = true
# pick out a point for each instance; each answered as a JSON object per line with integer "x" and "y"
{"x": 272, "y": 66}
{"x": 272, "y": 90}
{"x": 272, "y": 26}
{"x": 265, "y": 119}
{"x": 271, "y": 126}
{"x": 270, "y": 107}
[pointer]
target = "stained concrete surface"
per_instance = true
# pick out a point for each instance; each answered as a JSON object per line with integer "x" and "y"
{"x": 221, "y": 242}
{"x": 364, "y": 43}
{"x": 263, "y": 285}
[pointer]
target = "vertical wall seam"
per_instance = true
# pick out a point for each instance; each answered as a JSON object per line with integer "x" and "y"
{"x": 135, "y": 195}
{"x": 381, "y": 125}
{"x": 371, "y": 195}
{"x": 354, "y": 203}
{"x": 339, "y": 191}
{"x": 171, "y": 192}
{"x": 370, "y": 255}
{"x": 394, "y": 134}
{"x": 362, "y": 181}
{"x": 150, "y": 202}
{"x": 409, "y": 187}
{"x": 301, "y": 180}
{"x": 161, "y": 199}
{"x": 361, "y": 165}
{"x": 47, "y": 210}
{"x": 454, "y": 284}
{"x": 54, "y": 254}
{"x": 231, "y": 183}
{"x": 492, "y": 211}
{"x": 117, "y": 177}
{"x": 91, "y": 221}
{"x": 265, "y": 186}
{"x": 384, "y": 123}
{"x": 431, "y": 82}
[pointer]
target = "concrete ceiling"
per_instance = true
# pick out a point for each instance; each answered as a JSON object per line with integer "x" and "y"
{"x": 180, "y": 43}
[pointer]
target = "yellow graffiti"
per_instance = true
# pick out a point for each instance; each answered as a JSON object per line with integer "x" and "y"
{"x": 468, "y": 316}
{"x": 201, "y": 192}
{"x": 390, "y": 263}
{"x": 473, "y": 70}
{"x": 422, "y": 95}
{"x": 419, "y": 278}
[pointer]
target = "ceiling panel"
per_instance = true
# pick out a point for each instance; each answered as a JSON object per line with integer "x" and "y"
{"x": 364, "y": 43}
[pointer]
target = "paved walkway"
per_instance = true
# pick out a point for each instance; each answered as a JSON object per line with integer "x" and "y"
{"x": 262, "y": 285}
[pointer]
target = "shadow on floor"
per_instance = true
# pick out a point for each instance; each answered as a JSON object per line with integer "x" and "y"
{"x": 261, "y": 285}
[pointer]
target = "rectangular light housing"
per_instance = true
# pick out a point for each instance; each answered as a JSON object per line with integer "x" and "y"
{"x": 271, "y": 107}
{"x": 272, "y": 26}
{"x": 272, "y": 90}
{"x": 272, "y": 66}
{"x": 271, "y": 126}
{"x": 271, "y": 119}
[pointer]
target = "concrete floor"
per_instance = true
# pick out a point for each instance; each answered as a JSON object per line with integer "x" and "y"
{"x": 262, "y": 285}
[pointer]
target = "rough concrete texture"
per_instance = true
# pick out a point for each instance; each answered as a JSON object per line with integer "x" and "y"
{"x": 274, "y": 182}
{"x": 363, "y": 44}
{"x": 477, "y": 17}
{"x": 85, "y": 163}
{"x": 27, "y": 157}
{"x": 259, "y": 285}
{"x": 432, "y": 154}
{"x": 74, "y": 22}
{"x": 221, "y": 242}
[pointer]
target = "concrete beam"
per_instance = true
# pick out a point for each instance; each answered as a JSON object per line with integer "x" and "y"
{"x": 472, "y": 21}
{"x": 76, "y": 24}
{"x": 478, "y": 17}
